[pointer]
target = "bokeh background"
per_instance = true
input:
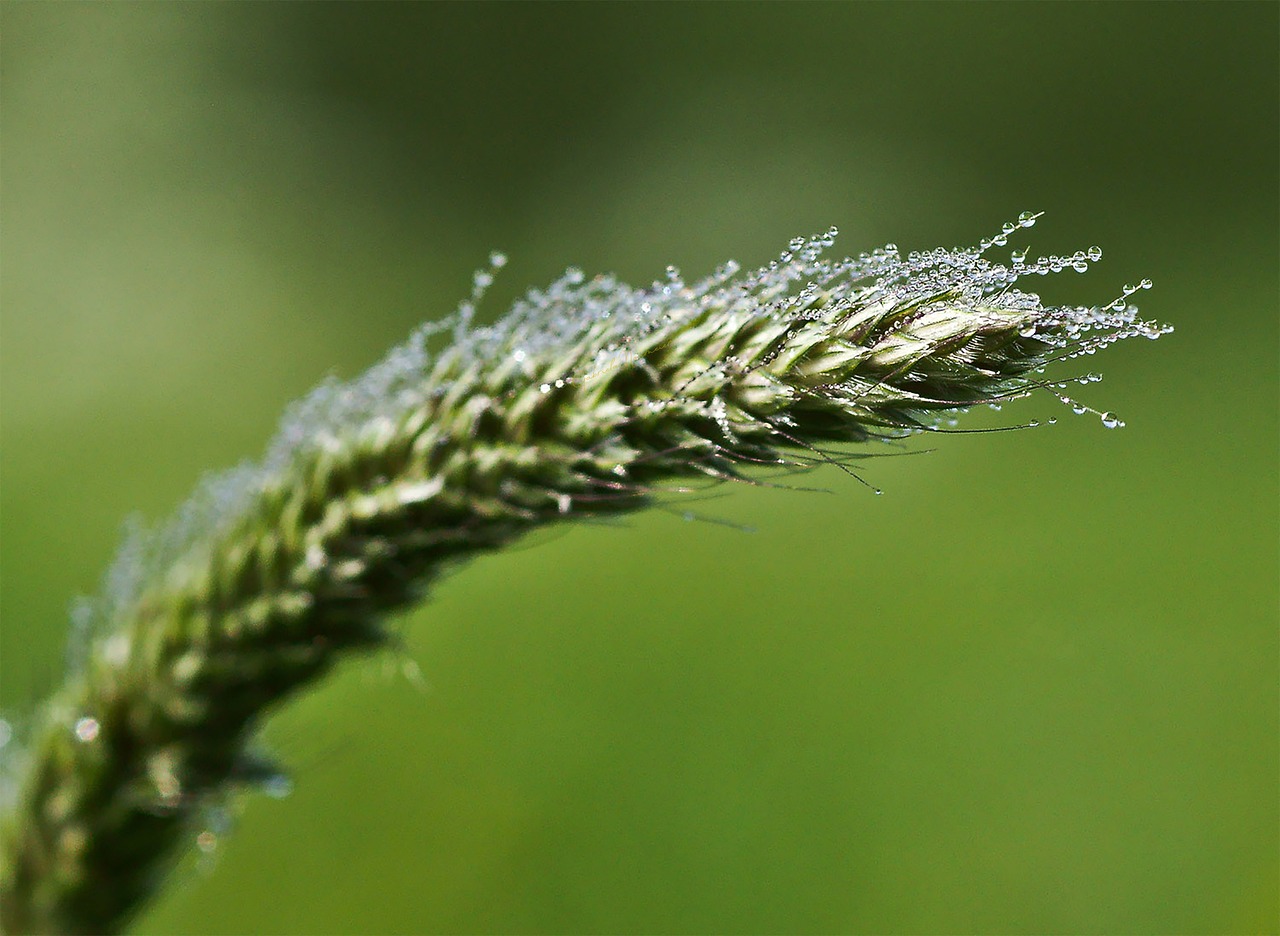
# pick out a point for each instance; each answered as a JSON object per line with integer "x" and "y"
{"x": 1032, "y": 688}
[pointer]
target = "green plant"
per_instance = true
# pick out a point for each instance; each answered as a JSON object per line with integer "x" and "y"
{"x": 585, "y": 399}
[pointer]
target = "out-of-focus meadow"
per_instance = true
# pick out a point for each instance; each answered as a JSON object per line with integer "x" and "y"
{"x": 1032, "y": 688}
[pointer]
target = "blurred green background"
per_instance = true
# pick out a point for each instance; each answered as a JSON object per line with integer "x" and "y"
{"x": 1032, "y": 688}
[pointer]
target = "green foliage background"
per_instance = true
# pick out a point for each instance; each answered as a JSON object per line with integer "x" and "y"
{"x": 1032, "y": 688}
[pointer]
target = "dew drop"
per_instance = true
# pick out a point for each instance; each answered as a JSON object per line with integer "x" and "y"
{"x": 1111, "y": 420}
{"x": 1095, "y": 254}
{"x": 87, "y": 730}
{"x": 1027, "y": 219}
{"x": 278, "y": 785}
{"x": 1078, "y": 409}
{"x": 497, "y": 260}
{"x": 1145, "y": 284}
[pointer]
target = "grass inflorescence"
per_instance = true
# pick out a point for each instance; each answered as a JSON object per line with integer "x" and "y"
{"x": 589, "y": 397}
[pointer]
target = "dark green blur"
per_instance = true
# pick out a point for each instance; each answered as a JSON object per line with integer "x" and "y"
{"x": 1032, "y": 688}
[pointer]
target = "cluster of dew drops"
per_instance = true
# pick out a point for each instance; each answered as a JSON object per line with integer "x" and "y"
{"x": 1073, "y": 331}
{"x": 550, "y": 319}
{"x": 1068, "y": 328}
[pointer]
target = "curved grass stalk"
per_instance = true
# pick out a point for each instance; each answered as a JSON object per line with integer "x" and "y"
{"x": 583, "y": 400}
